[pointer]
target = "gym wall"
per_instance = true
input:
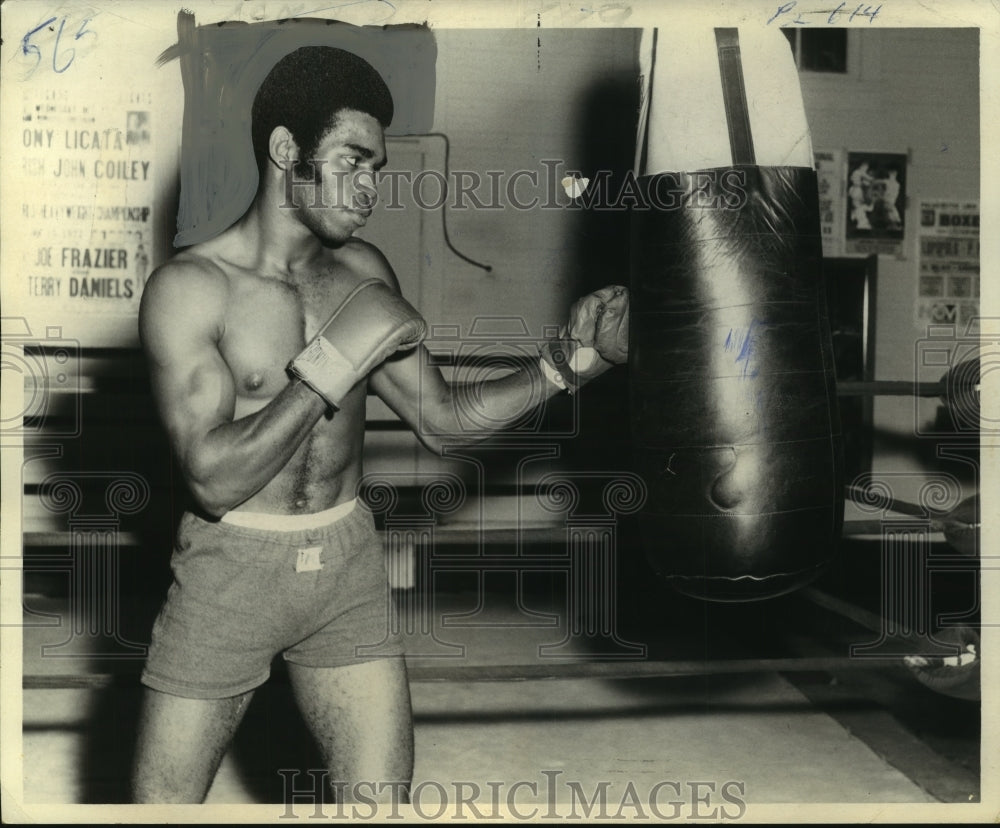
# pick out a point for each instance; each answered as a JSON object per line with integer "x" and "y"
{"x": 915, "y": 92}
{"x": 507, "y": 100}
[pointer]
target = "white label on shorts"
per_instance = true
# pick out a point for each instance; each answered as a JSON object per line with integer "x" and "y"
{"x": 308, "y": 560}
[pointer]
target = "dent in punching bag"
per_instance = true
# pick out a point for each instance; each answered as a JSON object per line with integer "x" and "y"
{"x": 733, "y": 397}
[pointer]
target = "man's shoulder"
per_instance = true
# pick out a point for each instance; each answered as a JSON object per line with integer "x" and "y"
{"x": 189, "y": 290}
{"x": 188, "y": 274}
{"x": 366, "y": 261}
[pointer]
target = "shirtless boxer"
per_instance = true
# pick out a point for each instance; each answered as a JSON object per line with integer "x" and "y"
{"x": 262, "y": 345}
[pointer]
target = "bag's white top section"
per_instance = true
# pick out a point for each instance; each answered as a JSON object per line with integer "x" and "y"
{"x": 683, "y": 116}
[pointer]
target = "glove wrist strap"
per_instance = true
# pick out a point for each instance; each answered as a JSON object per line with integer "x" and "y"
{"x": 557, "y": 364}
{"x": 325, "y": 370}
{"x": 552, "y": 375}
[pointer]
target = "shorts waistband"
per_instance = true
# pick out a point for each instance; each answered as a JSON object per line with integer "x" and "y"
{"x": 289, "y": 523}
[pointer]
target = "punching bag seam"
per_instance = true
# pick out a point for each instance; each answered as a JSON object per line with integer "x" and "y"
{"x": 730, "y": 514}
{"x": 729, "y": 578}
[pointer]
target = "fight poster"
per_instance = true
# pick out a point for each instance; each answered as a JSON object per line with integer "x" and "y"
{"x": 91, "y": 135}
{"x": 87, "y": 207}
{"x": 876, "y": 203}
{"x": 948, "y": 256}
{"x": 830, "y": 183}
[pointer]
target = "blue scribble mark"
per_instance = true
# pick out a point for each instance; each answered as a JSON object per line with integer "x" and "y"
{"x": 55, "y": 51}
{"x": 744, "y": 345}
{"x": 869, "y": 12}
{"x": 785, "y": 8}
{"x": 29, "y": 48}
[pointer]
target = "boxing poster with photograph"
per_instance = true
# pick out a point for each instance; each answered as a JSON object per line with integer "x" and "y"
{"x": 876, "y": 203}
{"x": 88, "y": 169}
{"x": 948, "y": 256}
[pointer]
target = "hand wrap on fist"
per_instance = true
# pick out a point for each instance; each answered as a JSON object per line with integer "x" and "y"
{"x": 594, "y": 339}
{"x": 372, "y": 323}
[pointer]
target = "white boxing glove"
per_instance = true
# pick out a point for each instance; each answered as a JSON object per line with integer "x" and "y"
{"x": 372, "y": 323}
{"x": 594, "y": 340}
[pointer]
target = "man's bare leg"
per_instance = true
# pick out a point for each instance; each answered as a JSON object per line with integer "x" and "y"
{"x": 361, "y": 719}
{"x": 181, "y": 744}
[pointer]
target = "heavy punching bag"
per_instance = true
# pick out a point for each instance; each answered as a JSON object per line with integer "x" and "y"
{"x": 733, "y": 398}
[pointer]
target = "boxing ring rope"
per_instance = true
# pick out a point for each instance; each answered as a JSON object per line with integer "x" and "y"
{"x": 560, "y": 671}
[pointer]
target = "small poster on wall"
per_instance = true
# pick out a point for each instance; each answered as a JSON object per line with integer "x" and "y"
{"x": 830, "y": 182}
{"x": 87, "y": 188}
{"x": 876, "y": 203}
{"x": 948, "y": 252}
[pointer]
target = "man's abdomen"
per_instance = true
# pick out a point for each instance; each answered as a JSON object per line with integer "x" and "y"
{"x": 325, "y": 469}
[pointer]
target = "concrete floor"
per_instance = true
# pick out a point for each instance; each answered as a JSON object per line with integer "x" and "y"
{"x": 756, "y": 737}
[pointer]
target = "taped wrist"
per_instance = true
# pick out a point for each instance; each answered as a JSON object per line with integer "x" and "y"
{"x": 325, "y": 370}
{"x": 551, "y": 374}
{"x": 569, "y": 365}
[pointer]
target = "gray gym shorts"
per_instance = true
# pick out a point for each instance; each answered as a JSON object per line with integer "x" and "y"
{"x": 242, "y": 595}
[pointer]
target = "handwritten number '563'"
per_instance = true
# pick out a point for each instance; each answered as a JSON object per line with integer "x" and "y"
{"x": 29, "y": 48}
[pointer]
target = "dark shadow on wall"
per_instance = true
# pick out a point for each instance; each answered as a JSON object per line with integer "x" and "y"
{"x": 606, "y": 126}
{"x": 598, "y": 252}
{"x": 120, "y": 432}
{"x": 598, "y": 247}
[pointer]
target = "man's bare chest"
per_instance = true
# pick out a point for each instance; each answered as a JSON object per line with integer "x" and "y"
{"x": 267, "y": 323}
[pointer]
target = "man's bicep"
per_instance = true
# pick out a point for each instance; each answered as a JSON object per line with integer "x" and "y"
{"x": 192, "y": 385}
{"x": 194, "y": 392}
